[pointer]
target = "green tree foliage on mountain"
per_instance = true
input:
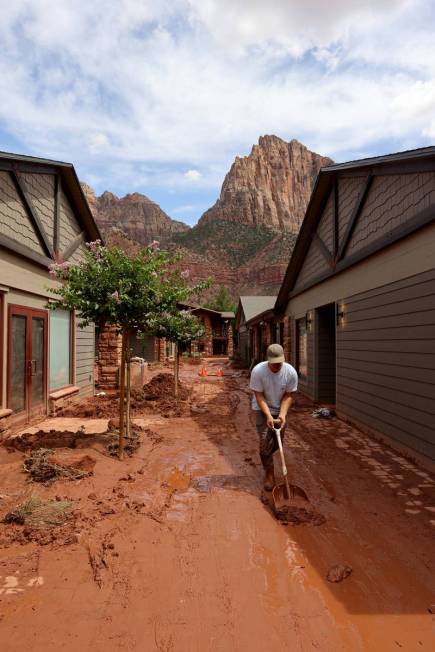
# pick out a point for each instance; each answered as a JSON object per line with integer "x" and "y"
{"x": 222, "y": 301}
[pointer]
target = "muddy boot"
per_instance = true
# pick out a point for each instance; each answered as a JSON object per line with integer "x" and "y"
{"x": 269, "y": 478}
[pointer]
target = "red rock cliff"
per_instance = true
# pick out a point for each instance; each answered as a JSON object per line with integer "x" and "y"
{"x": 270, "y": 187}
{"x": 136, "y": 215}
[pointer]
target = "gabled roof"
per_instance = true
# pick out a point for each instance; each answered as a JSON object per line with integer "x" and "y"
{"x": 194, "y": 307}
{"x": 69, "y": 179}
{"x": 424, "y": 157}
{"x": 253, "y": 306}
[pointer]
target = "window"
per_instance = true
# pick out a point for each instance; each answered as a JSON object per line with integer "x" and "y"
{"x": 301, "y": 365}
{"x": 60, "y": 349}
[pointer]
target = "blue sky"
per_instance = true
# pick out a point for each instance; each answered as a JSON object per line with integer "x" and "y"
{"x": 159, "y": 96}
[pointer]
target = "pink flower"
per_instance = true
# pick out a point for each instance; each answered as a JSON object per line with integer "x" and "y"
{"x": 185, "y": 274}
{"x": 115, "y": 296}
{"x": 52, "y": 273}
{"x": 93, "y": 246}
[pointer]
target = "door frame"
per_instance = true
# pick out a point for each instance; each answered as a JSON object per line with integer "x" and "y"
{"x": 14, "y": 309}
{"x": 316, "y": 347}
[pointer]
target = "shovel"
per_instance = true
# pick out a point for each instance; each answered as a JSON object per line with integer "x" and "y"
{"x": 286, "y": 495}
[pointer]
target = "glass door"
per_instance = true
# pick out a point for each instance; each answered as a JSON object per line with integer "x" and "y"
{"x": 27, "y": 363}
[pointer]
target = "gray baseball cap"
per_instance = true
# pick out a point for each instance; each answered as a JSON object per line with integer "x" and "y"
{"x": 275, "y": 353}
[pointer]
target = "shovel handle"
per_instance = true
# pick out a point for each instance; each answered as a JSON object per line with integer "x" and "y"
{"x": 284, "y": 467}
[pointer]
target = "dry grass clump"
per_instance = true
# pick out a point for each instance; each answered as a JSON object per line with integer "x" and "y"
{"x": 39, "y": 513}
{"x": 42, "y": 469}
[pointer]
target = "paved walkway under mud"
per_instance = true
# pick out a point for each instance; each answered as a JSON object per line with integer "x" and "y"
{"x": 175, "y": 550}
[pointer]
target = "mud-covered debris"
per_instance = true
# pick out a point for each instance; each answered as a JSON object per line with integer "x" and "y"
{"x": 131, "y": 443}
{"x": 299, "y": 516}
{"x": 44, "y": 466}
{"x": 38, "y": 513}
{"x": 339, "y": 572}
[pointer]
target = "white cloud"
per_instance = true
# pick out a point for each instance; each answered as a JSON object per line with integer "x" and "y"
{"x": 192, "y": 175}
{"x": 98, "y": 142}
{"x": 139, "y": 91}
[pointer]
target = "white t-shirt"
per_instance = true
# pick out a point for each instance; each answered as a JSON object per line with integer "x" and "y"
{"x": 273, "y": 385}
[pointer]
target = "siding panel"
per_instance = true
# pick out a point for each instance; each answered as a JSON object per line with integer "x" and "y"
{"x": 386, "y": 361}
{"x": 85, "y": 359}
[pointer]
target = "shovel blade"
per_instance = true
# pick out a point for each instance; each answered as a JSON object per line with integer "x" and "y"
{"x": 297, "y": 497}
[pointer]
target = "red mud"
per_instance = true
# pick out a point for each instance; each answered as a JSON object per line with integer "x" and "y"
{"x": 157, "y": 396}
{"x": 173, "y": 549}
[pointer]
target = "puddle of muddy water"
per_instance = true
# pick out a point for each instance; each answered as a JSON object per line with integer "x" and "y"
{"x": 206, "y": 483}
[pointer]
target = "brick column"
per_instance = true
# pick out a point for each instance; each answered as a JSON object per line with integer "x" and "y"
{"x": 109, "y": 358}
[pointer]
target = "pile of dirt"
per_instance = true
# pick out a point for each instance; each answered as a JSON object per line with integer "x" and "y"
{"x": 157, "y": 396}
{"x": 52, "y": 439}
{"x": 44, "y": 467}
{"x": 299, "y": 516}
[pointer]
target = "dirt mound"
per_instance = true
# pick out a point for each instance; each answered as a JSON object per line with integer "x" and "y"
{"x": 157, "y": 396}
{"x": 45, "y": 467}
{"x": 52, "y": 439}
{"x": 299, "y": 516}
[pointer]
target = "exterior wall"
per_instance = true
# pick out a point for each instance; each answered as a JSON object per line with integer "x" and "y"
{"x": 405, "y": 258}
{"x": 386, "y": 361}
{"x": 392, "y": 201}
{"x": 84, "y": 359}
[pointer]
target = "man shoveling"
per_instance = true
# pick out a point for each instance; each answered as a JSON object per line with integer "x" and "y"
{"x": 273, "y": 383}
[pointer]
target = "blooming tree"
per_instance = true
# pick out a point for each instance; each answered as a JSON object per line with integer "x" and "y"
{"x": 111, "y": 287}
{"x": 175, "y": 321}
{"x": 179, "y": 327}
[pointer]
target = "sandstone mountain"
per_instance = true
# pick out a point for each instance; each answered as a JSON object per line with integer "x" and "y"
{"x": 271, "y": 186}
{"x": 136, "y": 215}
{"x": 245, "y": 240}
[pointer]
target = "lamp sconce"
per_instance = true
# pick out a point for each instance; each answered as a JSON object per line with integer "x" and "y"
{"x": 309, "y": 321}
{"x": 339, "y": 314}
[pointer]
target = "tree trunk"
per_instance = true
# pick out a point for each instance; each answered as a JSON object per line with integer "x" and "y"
{"x": 122, "y": 396}
{"x": 128, "y": 361}
{"x": 176, "y": 361}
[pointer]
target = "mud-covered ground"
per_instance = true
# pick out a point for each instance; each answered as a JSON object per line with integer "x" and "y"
{"x": 177, "y": 548}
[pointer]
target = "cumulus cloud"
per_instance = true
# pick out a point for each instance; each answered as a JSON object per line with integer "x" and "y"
{"x": 139, "y": 91}
{"x": 192, "y": 175}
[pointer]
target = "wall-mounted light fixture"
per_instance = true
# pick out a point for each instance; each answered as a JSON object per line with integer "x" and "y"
{"x": 339, "y": 311}
{"x": 309, "y": 321}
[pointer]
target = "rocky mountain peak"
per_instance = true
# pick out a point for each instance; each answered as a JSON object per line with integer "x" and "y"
{"x": 270, "y": 187}
{"x": 141, "y": 219}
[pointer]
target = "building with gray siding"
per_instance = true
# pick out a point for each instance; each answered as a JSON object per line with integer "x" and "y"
{"x": 359, "y": 296}
{"x": 45, "y": 358}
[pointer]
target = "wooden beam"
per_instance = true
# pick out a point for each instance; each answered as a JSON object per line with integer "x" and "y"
{"x": 73, "y": 246}
{"x": 354, "y": 217}
{"x": 20, "y": 187}
{"x": 56, "y": 232}
{"x": 335, "y": 233}
{"x": 28, "y": 168}
{"x": 323, "y": 249}
{"x": 22, "y": 250}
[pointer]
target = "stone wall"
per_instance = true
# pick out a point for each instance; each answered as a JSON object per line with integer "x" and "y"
{"x": 109, "y": 358}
